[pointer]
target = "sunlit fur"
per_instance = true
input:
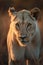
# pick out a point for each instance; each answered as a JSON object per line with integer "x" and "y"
{"x": 23, "y": 23}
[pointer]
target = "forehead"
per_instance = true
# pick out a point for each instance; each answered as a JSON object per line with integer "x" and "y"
{"x": 24, "y": 16}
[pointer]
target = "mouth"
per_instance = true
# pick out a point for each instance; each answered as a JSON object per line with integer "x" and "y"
{"x": 24, "y": 41}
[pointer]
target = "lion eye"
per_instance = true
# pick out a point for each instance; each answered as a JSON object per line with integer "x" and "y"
{"x": 29, "y": 27}
{"x": 29, "y": 24}
{"x": 17, "y": 26}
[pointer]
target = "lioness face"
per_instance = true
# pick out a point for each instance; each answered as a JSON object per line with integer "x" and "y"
{"x": 24, "y": 27}
{"x": 24, "y": 24}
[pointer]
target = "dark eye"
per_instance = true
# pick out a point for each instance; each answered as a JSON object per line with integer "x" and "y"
{"x": 17, "y": 26}
{"x": 29, "y": 24}
{"x": 29, "y": 27}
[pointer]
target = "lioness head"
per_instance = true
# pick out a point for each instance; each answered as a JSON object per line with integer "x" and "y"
{"x": 24, "y": 24}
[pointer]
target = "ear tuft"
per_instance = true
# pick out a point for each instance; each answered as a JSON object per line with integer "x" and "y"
{"x": 35, "y": 12}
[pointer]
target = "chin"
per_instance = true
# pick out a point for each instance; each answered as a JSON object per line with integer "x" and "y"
{"x": 23, "y": 44}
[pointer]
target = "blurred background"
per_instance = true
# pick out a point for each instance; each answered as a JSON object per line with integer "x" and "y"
{"x": 20, "y": 4}
{"x": 5, "y": 22}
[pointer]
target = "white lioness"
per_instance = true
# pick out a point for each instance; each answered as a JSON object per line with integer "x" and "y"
{"x": 23, "y": 39}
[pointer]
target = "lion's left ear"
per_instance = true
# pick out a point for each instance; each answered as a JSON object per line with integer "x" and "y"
{"x": 35, "y": 12}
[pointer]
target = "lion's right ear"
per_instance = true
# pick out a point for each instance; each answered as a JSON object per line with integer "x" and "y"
{"x": 11, "y": 11}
